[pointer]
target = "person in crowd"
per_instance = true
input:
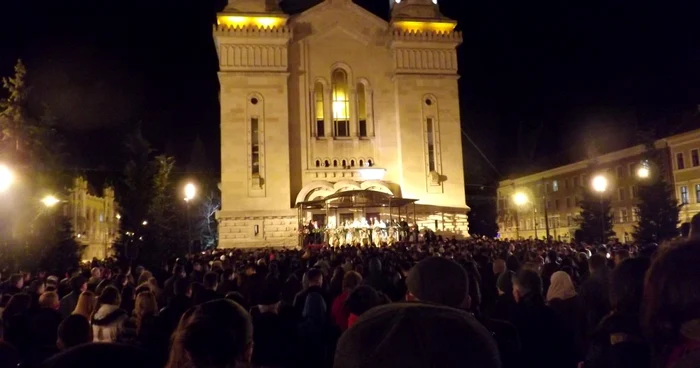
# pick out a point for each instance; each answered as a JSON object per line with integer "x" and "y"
{"x": 671, "y": 308}
{"x": 505, "y": 305}
{"x": 36, "y": 288}
{"x": 9, "y": 356}
{"x": 274, "y": 326}
{"x": 314, "y": 334}
{"x": 416, "y": 335}
{"x": 216, "y": 334}
{"x": 95, "y": 279}
{"x": 339, "y": 312}
{"x": 43, "y": 327}
{"x": 360, "y": 300}
{"x": 618, "y": 340}
{"x": 144, "y": 328}
{"x": 549, "y": 268}
{"x": 594, "y": 292}
{"x": 16, "y": 319}
{"x": 568, "y": 308}
{"x": 73, "y": 331}
{"x": 543, "y": 342}
{"x": 376, "y": 278}
{"x": 335, "y": 287}
{"x": 15, "y": 284}
{"x": 621, "y": 255}
{"x": 208, "y": 293}
{"x": 177, "y": 305}
{"x": 143, "y": 278}
{"x": 228, "y": 282}
{"x": 103, "y": 356}
{"x": 442, "y": 281}
{"x": 86, "y": 304}
{"x": 694, "y": 232}
{"x": 315, "y": 285}
{"x": 78, "y": 285}
{"x": 108, "y": 317}
{"x": 168, "y": 286}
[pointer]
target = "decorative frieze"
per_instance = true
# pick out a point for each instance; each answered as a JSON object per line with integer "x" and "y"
{"x": 435, "y": 60}
{"x": 242, "y": 56}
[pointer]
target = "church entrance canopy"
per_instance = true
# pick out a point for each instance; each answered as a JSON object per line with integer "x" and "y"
{"x": 355, "y": 230}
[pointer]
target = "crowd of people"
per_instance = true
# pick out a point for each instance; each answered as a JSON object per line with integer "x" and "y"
{"x": 443, "y": 303}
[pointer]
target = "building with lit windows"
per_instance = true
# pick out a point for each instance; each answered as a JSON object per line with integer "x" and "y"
{"x": 558, "y": 190}
{"x": 335, "y": 99}
{"x": 94, "y": 218}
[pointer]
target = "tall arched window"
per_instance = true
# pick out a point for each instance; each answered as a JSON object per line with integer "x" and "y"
{"x": 362, "y": 110}
{"x": 341, "y": 104}
{"x": 319, "y": 110}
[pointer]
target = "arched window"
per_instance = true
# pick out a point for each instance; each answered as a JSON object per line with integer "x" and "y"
{"x": 341, "y": 104}
{"x": 326, "y": 163}
{"x": 318, "y": 163}
{"x": 319, "y": 110}
{"x": 369, "y": 163}
{"x": 352, "y": 163}
{"x": 362, "y": 110}
{"x": 361, "y": 163}
{"x": 335, "y": 163}
{"x": 345, "y": 164}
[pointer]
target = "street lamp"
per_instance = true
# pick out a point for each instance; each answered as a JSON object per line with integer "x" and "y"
{"x": 144, "y": 223}
{"x": 520, "y": 198}
{"x": 50, "y": 201}
{"x": 7, "y": 177}
{"x": 190, "y": 193}
{"x": 600, "y": 185}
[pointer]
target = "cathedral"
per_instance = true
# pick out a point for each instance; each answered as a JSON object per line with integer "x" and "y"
{"x": 335, "y": 99}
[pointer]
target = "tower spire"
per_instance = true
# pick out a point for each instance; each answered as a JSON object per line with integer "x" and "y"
{"x": 252, "y": 6}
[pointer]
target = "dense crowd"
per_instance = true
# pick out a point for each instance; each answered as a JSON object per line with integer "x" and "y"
{"x": 443, "y": 303}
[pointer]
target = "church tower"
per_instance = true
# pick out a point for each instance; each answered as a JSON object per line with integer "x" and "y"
{"x": 251, "y": 39}
{"x": 424, "y": 45}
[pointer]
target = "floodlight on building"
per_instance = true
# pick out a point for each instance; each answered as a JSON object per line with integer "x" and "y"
{"x": 520, "y": 198}
{"x": 643, "y": 172}
{"x": 7, "y": 177}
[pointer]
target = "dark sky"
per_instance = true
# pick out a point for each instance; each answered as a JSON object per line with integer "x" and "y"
{"x": 541, "y": 80}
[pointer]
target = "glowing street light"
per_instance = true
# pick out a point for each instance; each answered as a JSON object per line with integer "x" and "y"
{"x": 520, "y": 198}
{"x": 118, "y": 216}
{"x": 643, "y": 172}
{"x": 50, "y": 201}
{"x": 600, "y": 183}
{"x": 144, "y": 223}
{"x": 190, "y": 192}
{"x": 7, "y": 177}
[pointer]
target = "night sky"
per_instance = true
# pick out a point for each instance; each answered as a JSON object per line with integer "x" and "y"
{"x": 542, "y": 81}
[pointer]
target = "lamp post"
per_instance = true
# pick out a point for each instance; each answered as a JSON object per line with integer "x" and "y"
{"x": 600, "y": 185}
{"x": 520, "y": 199}
{"x": 190, "y": 192}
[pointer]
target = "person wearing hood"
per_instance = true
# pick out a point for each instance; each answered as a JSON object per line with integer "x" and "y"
{"x": 567, "y": 306}
{"x": 314, "y": 333}
{"x": 376, "y": 279}
{"x": 315, "y": 285}
{"x": 108, "y": 318}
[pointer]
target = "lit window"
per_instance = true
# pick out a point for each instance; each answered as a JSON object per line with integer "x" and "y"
{"x": 684, "y": 195}
{"x": 680, "y": 164}
{"x": 320, "y": 109}
{"x": 362, "y": 109}
{"x": 694, "y": 157}
{"x": 635, "y": 214}
{"x": 341, "y": 104}
{"x": 697, "y": 193}
{"x": 555, "y": 186}
{"x": 623, "y": 215}
{"x": 254, "y": 147}
{"x": 431, "y": 145}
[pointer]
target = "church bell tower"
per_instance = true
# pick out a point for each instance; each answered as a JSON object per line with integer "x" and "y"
{"x": 252, "y": 38}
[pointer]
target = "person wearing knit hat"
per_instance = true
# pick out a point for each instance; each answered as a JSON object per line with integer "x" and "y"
{"x": 438, "y": 280}
{"x": 413, "y": 335}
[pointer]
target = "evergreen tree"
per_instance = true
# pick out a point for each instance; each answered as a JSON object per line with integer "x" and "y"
{"x": 595, "y": 218}
{"x": 657, "y": 208}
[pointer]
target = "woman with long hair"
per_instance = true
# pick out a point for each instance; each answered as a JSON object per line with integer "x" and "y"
{"x": 86, "y": 304}
{"x": 671, "y": 307}
{"x": 216, "y": 334}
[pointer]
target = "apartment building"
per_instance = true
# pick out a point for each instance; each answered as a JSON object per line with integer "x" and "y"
{"x": 548, "y": 200}
{"x": 684, "y": 151}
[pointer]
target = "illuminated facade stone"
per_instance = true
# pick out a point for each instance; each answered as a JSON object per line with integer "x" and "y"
{"x": 333, "y": 99}
{"x": 93, "y": 217}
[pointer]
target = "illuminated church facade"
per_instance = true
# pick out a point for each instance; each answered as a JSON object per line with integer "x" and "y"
{"x": 335, "y": 99}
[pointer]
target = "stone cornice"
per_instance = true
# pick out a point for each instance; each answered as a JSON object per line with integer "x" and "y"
{"x": 250, "y": 31}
